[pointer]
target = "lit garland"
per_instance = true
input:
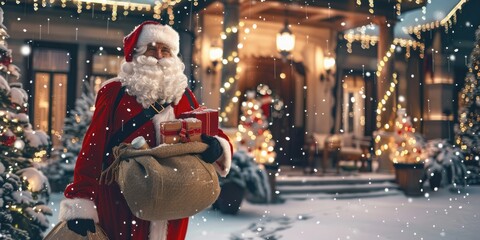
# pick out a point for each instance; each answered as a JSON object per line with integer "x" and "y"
{"x": 381, "y": 104}
{"x": 398, "y": 5}
{"x": 158, "y": 7}
{"x": 370, "y": 40}
{"x": 447, "y": 22}
{"x": 385, "y": 59}
{"x": 233, "y": 57}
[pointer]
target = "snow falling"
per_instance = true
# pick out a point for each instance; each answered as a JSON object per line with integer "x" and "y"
{"x": 348, "y": 119}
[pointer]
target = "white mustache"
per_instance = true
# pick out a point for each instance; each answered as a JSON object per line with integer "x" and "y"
{"x": 151, "y": 61}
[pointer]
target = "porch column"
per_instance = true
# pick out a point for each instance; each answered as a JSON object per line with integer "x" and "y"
{"x": 382, "y": 84}
{"x": 414, "y": 90}
{"x": 383, "y": 81}
{"x": 229, "y": 110}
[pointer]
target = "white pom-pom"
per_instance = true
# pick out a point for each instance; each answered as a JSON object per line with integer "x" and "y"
{"x": 127, "y": 67}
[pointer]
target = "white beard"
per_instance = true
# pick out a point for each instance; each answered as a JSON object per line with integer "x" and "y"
{"x": 151, "y": 80}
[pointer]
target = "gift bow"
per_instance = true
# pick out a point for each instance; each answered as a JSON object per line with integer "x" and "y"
{"x": 184, "y": 134}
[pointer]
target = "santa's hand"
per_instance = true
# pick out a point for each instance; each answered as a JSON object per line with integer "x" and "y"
{"x": 81, "y": 226}
{"x": 214, "y": 150}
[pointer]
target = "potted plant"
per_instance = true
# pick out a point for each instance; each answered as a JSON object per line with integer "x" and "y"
{"x": 246, "y": 178}
{"x": 443, "y": 164}
{"x": 405, "y": 151}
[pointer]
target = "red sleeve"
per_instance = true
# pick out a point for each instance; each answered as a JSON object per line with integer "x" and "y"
{"x": 89, "y": 161}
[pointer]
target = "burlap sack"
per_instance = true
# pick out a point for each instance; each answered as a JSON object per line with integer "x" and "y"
{"x": 166, "y": 182}
{"x": 61, "y": 232}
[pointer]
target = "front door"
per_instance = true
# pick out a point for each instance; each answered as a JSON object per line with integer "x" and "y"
{"x": 279, "y": 76}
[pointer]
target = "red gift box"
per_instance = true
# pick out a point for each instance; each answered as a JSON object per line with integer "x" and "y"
{"x": 209, "y": 118}
{"x": 180, "y": 131}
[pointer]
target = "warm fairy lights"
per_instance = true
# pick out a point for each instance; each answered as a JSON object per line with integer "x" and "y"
{"x": 233, "y": 57}
{"x": 469, "y": 113}
{"x": 398, "y": 5}
{"x": 447, "y": 22}
{"x": 385, "y": 59}
{"x": 383, "y": 101}
{"x": 370, "y": 40}
{"x": 115, "y": 6}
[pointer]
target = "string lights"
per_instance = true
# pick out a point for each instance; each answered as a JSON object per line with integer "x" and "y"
{"x": 370, "y": 40}
{"x": 385, "y": 59}
{"x": 447, "y": 22}
{"x": 232, "y": 57}
{"x": 381, "y": 103}
{"x": 398, "y": 5}
{"x": 114, "y": 5}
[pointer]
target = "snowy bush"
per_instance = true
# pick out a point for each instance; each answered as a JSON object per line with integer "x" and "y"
{"x": 443, "y": 163}
{"x": 248, "y": 174}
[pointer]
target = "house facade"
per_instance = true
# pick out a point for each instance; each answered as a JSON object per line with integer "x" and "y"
{"x": 319, "y": 96}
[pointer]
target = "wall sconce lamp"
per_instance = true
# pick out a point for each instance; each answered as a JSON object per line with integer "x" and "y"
{"x": 215, "y": 56}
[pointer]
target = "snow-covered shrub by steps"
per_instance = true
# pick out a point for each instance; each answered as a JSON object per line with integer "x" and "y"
{"x": 444, "y": 163}
{"x": 248, "y": 174}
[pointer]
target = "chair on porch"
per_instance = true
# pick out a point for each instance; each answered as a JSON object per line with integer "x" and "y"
{"x": 339, "y": 147}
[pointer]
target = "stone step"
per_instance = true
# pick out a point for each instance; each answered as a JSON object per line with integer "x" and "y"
{"x": 335, "y": 188}
{"x": 283, "y": 180}
{"x": 303, "y": 196}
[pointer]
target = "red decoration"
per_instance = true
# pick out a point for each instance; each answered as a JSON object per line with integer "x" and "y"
{"x": 209, "y": 118}
{"x": 5, "y": 60}
{"x": 7, "y": 140}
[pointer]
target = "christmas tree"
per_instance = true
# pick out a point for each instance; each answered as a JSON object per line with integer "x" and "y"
{"x": 22, "y": 186}
{"x": 253, "y": 135}
{"x": 405, "y": 145}
{"x": 60, "y": 172}
{"x": 468, "y": 130}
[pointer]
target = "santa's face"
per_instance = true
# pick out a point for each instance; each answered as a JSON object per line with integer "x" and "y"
{"x": 158, "y": 51}
{"x": 154, "y": 77}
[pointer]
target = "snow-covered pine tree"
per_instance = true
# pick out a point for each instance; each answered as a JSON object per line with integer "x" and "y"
{"x": 468, "y": 130}
{"x": 22, "y": 186}
{"x": 60, "y": 173}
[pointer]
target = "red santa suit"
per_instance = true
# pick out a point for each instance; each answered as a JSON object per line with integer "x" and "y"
{"x": 105, "y": 204}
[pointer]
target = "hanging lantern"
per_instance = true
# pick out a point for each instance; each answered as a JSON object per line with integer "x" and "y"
{"x": 285, "y": 41}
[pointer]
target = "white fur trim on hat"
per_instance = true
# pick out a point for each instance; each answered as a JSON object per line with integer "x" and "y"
{"x": 159, "y": 33}
{"x": 77, "y": 208}
{"x": 224, "y": 163}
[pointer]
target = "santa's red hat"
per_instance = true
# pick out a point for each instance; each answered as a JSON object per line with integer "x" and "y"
{"x": 149, "y": 32}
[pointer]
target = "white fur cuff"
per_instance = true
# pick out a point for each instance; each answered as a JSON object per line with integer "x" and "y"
{"x": 223, "y": 164}
{"x": 158, "y": 230}
{"x": 77, "y": 208}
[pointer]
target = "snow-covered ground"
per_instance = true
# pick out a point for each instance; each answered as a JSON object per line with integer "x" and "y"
{"x": 439, "y": 215}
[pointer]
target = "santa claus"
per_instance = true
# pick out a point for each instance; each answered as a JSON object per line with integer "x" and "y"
{"x": 151, "y": 79}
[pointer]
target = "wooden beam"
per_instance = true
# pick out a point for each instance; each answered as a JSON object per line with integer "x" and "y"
{"x": 249, "y": 9}
{"x": 318, "y": 17}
